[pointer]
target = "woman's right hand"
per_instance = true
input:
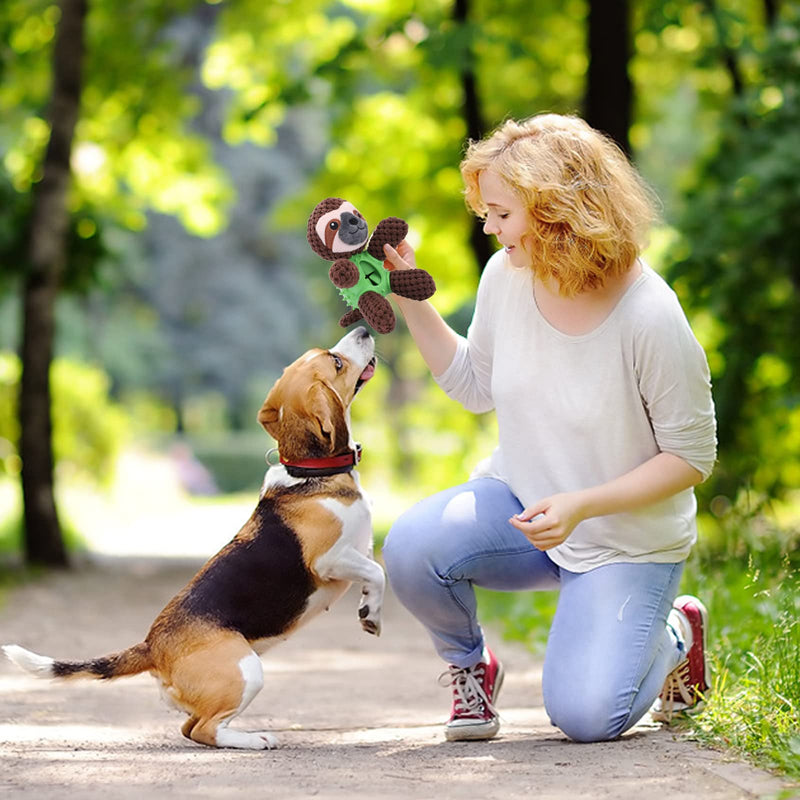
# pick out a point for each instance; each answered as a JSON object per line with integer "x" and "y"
{"x": 401, "y": 258}
{"x": 436, "y": 340}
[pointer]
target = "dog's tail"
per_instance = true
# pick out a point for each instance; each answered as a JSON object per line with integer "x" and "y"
{"x": 132, "y": 661}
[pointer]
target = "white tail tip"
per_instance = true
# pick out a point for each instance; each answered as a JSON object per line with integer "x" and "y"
{"x": 32, "y": 662}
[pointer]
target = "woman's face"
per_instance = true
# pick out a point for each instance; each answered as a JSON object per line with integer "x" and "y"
{"x": 506, "y": 218}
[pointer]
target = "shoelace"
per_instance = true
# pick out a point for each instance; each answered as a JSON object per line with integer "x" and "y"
{"x": 470, "y": 697}
{"x": 676, "y": 685}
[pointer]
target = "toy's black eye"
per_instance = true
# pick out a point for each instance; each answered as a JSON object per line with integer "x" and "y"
{"x": 334, "y": 226}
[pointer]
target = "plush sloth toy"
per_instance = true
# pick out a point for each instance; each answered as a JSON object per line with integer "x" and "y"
{"x": 338, "y": 233}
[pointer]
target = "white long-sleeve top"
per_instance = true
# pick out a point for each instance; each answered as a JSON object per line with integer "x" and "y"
{"x": 577, "y": 411}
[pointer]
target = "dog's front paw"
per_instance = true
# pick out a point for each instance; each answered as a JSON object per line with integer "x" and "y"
{"x": 370, "y": 622}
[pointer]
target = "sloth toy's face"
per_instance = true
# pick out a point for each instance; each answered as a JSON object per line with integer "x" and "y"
{"x": 342, "y": 230}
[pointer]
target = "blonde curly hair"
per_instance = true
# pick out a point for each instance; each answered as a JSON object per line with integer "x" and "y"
{"x": 589, "y": 208}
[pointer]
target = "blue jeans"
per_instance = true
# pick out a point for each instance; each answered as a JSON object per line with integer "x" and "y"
{"x": 609, "y": 648}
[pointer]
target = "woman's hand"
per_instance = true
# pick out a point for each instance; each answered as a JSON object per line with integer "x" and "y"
{"x": 549, "y": 522}
{"x": 401, "y": 258}
{"x": 436, "y": 340}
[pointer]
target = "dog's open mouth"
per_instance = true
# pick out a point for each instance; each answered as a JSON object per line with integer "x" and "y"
{"x": 368, "y": 372}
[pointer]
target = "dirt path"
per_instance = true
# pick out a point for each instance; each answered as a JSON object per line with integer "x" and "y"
{"x": 356, "y": 716}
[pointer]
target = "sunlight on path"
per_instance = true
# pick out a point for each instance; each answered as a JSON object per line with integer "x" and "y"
{"x": 148, "y": 512}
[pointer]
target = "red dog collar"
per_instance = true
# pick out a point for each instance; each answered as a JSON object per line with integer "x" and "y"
{"x": 322, "y": 467}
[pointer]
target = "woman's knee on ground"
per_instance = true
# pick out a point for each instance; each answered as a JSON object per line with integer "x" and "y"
{"x": 586, "y": 716}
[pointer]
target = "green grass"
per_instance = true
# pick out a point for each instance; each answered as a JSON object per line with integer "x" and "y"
{"x": 754, "y": 605}
{"x": 749, "y": 578}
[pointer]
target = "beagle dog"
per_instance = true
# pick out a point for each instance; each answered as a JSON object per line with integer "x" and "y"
{"x": 308, "y": 540}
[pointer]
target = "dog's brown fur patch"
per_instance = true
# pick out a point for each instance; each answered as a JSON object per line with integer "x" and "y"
{"x": 318, "y": 529}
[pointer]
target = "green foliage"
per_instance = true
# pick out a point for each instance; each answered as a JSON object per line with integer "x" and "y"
{"x": 236, "y": 461}
{"x": 737, "y": 261}
{"x": 134, "y": 147}
{"x": 389, "y": 78}
{"x": 523, "y": 617}
{"x": 414, "y": 435}
{"x": 9, "y": 421}
{"x": 88, "y": 428}
{"x": 682, "y": 73}
{"x": 266, "y": 53}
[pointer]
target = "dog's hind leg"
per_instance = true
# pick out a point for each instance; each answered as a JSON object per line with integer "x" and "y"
{"x": 215, "y": 684}
{"x": 188, "y": 726}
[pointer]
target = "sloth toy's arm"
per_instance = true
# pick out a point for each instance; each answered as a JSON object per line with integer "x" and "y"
{"x": 391, "y": 230}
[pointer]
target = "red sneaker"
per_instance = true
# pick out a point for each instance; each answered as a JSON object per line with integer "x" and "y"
{"x": 474, "y": 691}
{"x": 687, "y": 686}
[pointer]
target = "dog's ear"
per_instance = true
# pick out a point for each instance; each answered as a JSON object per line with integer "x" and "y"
{"x": 313, "y": 426}
{"x": 325, "y": 407}
{"x": 269, "y": 414}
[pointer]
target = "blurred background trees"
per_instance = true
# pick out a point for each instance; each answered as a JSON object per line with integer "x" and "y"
{"x": 208, "y": 130}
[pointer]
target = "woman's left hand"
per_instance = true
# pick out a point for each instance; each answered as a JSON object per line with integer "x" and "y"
{"x": 549, "y": 522}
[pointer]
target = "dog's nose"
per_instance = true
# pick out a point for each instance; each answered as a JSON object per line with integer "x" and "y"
{"x": 361, "y": 332}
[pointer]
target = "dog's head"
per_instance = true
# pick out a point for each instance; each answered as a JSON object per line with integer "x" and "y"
{"x": 307, "y": 410}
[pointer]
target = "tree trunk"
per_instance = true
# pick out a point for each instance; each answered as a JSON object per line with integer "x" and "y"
{"x": 609, "y": 92}
{"x": 47, "y": 256}
{"x": 473, "y": 117}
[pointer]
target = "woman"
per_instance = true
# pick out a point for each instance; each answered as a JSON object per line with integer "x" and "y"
{"x": 605, "y": 421}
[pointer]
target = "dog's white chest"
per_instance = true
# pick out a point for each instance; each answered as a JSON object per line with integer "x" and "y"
{"x": 356, "y": 522}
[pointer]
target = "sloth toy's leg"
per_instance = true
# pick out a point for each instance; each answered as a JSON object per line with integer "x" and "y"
{"x": 354, "y": 315}
{"x": 377, "y": 311}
